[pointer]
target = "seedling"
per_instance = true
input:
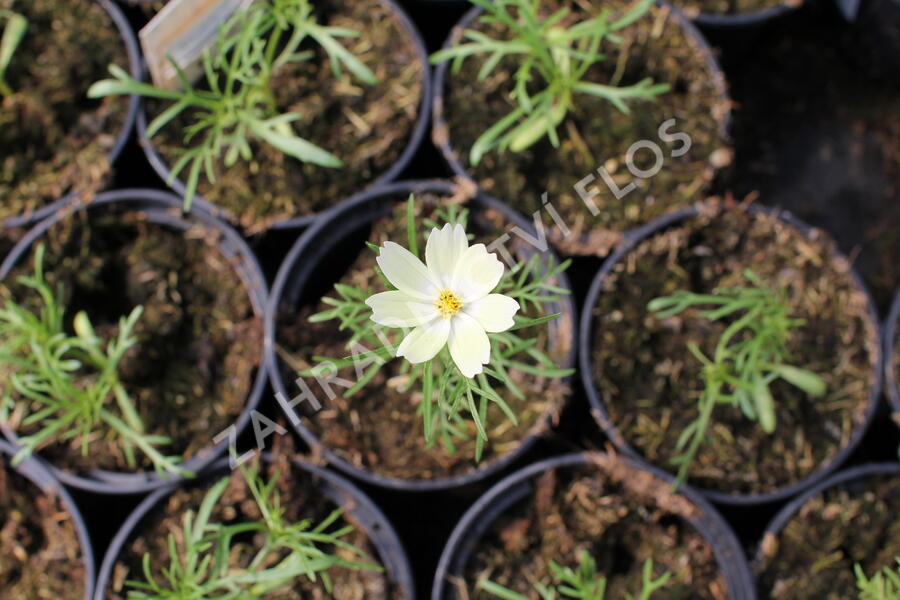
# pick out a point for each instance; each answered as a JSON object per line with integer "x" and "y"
{"x": 68, "y": 387}
{"x": 884, "y": 585}
{"x": 749, "y": 356}
{"x": 582, "y": 584}
{"x": 13, "y": 33}
{"x": 210, "y": 560}
{"x": 455, "y": 373}
{"x": 237, "y": 103}
{"x": 553, "y": 61}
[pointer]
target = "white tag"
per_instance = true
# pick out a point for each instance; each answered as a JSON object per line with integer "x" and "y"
{"x": 182, "y": 30}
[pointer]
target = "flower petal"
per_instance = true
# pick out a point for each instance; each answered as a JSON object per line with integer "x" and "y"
{"x": 494, "y": 312}
{"x": 477, "y": 273}
{"x": 423, "y": 342}
{"x": 396, "y": 309}
{"x": 469, "y": 345}
{"x": 444, "y": 249}
{"x": 406, "y": 272}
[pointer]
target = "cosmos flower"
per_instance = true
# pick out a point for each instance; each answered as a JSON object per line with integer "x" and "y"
{"x": 447, "y": 300}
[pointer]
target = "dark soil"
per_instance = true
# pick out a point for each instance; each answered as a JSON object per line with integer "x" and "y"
{"x": 620, "y": 516}
{"x": 53, "y": 139}
{"x": 367, "y": 127}
{"x": 378, "y": 429}
{"x": 199, "y": 340}
{"x": 301, "y": 500}
{"x": 595, "y": 134}
{"x": 41, "y": 555}
{"x": 642, "y": 362}
{"x": 692, "y": 8}
{"x": 814, "y": 556}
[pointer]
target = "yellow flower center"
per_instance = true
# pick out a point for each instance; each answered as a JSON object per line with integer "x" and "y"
{"x": 447, "y": 304}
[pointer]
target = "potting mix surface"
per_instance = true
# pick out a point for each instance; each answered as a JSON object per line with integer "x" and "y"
{"x": 813, "y": 127}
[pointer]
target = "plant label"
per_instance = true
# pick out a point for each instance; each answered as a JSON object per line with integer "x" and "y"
{"x": 180, "y": 33}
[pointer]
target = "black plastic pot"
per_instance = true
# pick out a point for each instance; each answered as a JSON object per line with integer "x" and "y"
{"x": 134, "y": 66}
{"x": 35, "y": 471}
{"x": 848, "y": 478}
{"x": 518, "y": 486}
{"x": 334, "y": 487}
{"x": 439, "y": 122}
{"x": 164, "y": 209}
{"x": 890, "y": 358}
{"x": 598, "y": 409}
{"x": 879, "y": 38}
{"x": 315, "y": 247}
{"x": 163, "y": 169}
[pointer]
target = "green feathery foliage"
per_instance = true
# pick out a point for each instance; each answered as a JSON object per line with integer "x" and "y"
{"x": 448, "y": 396}
{"x": 553, "y": 64}
{"x": 749, "y": 356}
{"x": 67, "y": 387}
{"x": 212, "y": 561}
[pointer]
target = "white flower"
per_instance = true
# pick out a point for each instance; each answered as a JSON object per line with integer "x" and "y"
{"x": 449, "y": 301}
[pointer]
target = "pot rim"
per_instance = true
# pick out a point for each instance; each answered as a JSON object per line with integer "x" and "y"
{"x": 730, "y": 22}
{"x": 598, "y": 409}
{"x": 161, "y": 166}
{"x": 715, "y": 530}
{"x": 300, "y": 248}
{"x": 36, "y": 471}
{"x": 890, "y": 372}
{"x": 378, "y": 528}
{"x": 163, "y": 208}
{"x": 134, "y": 66}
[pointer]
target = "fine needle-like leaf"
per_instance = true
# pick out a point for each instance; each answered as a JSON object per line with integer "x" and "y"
{"x": 549, "y": 62}
{"x": 749, "y": 356}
